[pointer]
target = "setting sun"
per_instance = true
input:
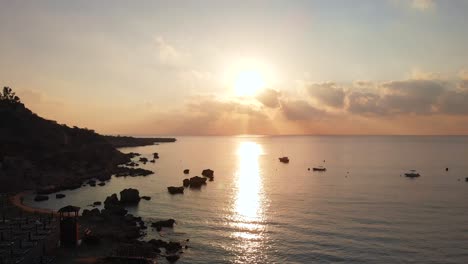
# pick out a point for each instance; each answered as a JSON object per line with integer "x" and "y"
{"x": 248, "y": 82}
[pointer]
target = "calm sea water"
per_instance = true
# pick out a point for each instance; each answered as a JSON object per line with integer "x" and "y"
{"x": 258, "y": 210}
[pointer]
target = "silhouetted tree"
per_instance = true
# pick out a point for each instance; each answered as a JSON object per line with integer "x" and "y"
{"x": 8, "y": 96}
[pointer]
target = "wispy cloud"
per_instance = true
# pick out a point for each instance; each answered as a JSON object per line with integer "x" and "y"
{"x": 423, "y": 5}
{"x": 168, "y": 54}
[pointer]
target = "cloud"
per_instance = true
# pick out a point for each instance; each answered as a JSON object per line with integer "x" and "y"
{"x": 328, "y": 94}
{"x": 208, "y": 115}
{"x": 454, "y": 102}
{"x": 269, "y": 98}
{"x": 300, "y": 110}
{"x": 411, "y": 96}
{"x": 168, "y": 54}
{"x": 394, "y": 98}
{"x": 423, "y": 5}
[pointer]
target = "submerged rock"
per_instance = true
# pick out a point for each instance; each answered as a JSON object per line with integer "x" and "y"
{"x": 164, "y": 223}
{"x": 172, "y": 258}
{"x": 92, "y": 183}
{"x": 175, "y": 190}
{"x": 40, "y": 198}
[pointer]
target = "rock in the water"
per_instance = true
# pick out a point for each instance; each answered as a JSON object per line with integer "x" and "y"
{"x": 91, "y": 213}
{"x": 129, "y": 196}
{"x": 92, "y": 183}
{"x": 186, "y": 171}
{"x": 165, "y": 223}
{"x": 112, "y": 206}
{"x": 153, "y": 161}
{"x": 174, "y": 190}
{"x": 208, "y": 173}
{"x": 97, "y": 203}
{"x": 147, "y": 198}
{"x": 59, "y": 195}
{"x": 40, "y": 198}
{"x": 186, "y": 182}
{"x": 466, "y": 179}
{"x": 156, "y": 155}
{"x": 143, "y": 159}
{"x": 172, "y": 258}
{"x": 197, "y": 182}
{"x": 101, "y": 183}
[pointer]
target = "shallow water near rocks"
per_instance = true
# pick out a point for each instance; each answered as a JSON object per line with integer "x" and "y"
{"x": 258, "y": 210}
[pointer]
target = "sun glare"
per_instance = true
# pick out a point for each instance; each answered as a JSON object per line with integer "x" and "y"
{"x": 248, "y": 83}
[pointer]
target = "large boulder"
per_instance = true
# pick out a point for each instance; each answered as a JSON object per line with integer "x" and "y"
{"x": 130, "y": 196}
{"x": 175, "y": 190}
{"x": 111, "y": 200}
{"x": 208, "y": 173}
{"x": 197, "y": 182}
{"x": 112, "y": 206}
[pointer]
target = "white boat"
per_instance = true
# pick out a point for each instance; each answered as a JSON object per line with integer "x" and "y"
{"x": 412, "y": 174}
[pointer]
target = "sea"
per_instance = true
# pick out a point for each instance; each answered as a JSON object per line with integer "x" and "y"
{"x": 362, "y": 209}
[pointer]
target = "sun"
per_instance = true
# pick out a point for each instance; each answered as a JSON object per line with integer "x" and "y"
{"x": 248, "y": 82}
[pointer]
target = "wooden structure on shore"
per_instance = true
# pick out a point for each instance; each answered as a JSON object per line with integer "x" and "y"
{"x": 69, "y": 225}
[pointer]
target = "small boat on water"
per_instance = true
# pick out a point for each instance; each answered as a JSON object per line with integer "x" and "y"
{"x": 284, "y": 159}
{"x": 319, "y": 168}
{"x": 412, "y": 174}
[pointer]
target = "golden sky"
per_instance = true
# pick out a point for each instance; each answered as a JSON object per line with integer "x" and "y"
{"x": 228, "y": 68}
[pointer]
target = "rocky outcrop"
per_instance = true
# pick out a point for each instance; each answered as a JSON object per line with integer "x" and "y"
{"x": 208, "y": 173}
{"x": 175, "y": 190}
{"x": 112, "y": 206}
{"x": 37, "y": 152}
{"x": 132, "y": 172}
{"x": 129, "y": 196}
{"x": 123, "y": 141}
{"x": 197, "y": 182}
{"x": 186, "y": 182}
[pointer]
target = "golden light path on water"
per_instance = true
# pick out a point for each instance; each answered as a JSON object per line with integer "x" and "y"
{"x": 248, "y": 211}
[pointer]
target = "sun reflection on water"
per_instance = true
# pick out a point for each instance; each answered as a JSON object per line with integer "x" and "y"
{"x": 248, "y": 206}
